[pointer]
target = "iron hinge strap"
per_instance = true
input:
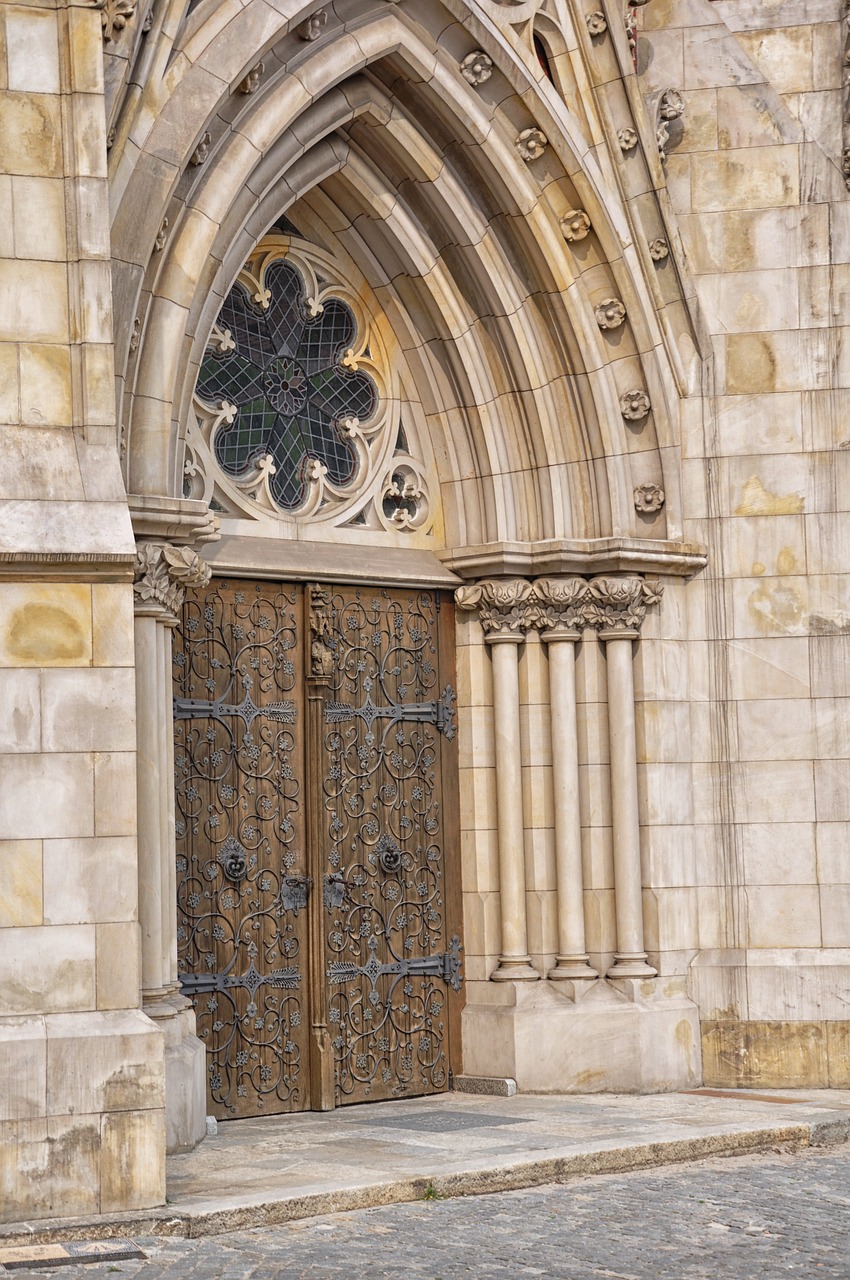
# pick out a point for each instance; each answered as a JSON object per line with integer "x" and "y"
{"x": 439, "y": 713}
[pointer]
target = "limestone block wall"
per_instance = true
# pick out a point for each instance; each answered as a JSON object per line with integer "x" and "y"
{"x": 755, "y": 177}
{"x": 81, "y": 1119}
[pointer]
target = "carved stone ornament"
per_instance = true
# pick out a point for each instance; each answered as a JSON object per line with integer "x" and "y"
{"x": 561, "y": 603}
{"x": 671, "y": 106}
{"x": 311, "y": 28}
{"x": 505, "y": 606}
{"x": 619, "y": 604}
{"x": 610, "y": 313}
{"x": 202, "y": 150}
{"x": 575, "y": 225}
{"x": 114, "y": 16}
{"x": 162, "y": 575}
{"x": 634, "y": 405}
{"x": 110, "y": 138}
{"x": 511, "y": 607}
{"x": 321, "y": 632}
{"x": 251, "y": 83}
{"x": 596, "y": 23}
{"x": 136, "y": 335}
{"x": 477, "y": 68}
{"x": 531, "y": 144}
{"x": 648, "y": 498}
{"x": 627, "y": 139}
{"x": 659, "y": 249}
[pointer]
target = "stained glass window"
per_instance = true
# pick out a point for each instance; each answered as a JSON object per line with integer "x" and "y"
{"x": 291, "y": 391}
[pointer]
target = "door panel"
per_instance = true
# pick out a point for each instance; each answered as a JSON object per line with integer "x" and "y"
{"x": 390, "y": 953}
{"x": 239, "y": 763}
{"x": 357, "y": 752}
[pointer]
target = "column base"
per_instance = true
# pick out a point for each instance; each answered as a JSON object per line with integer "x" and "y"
{"x": 573, "y": 969}
{"x": 515, "y": 969}
{"x": 632, "y": 965}
{"x": 185, "y": 1073}
{"x": 602, "y": 1042}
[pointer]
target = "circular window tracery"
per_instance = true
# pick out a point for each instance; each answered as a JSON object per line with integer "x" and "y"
{"x": 298, "y": 401}
{"x": 283, "y": 372}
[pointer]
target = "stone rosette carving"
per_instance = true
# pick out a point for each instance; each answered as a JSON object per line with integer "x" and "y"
{"x": 575, "y": 225}
{"x": 648, "y": 498}
{"x": 610, "y": 313}
{"x": 635, "y": 405}
{"x": 311, "y": 28}
{"x": 627, "y": 139}
{"x": 162, "y": 575}
{"x": 114, "y": 16}
{"x": 531, "y": 144}
{"x": 597, "y": 24}
{"x": 659, "y": 249}
{"x": 202, "y": 150}
{"x": 251, "y": 83}
{"x": 477, "y": 68}
{"x": 619, "y": 604}
{"x": 505, "y": 606}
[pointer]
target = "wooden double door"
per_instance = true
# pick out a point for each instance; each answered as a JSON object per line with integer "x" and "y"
{"x": 317, "y": 848}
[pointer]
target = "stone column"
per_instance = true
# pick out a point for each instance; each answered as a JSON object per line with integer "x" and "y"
{"x": 502, "y": 608}
{"x": 163, "y": 572}
{"x": 617, "y": 607}
{"x": 561, "y": 616}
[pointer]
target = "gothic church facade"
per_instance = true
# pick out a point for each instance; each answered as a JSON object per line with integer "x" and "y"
{"x": 423, "y": 590}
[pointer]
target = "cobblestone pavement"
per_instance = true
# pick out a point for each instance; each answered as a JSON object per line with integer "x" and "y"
{"x": 750, "y": 1218}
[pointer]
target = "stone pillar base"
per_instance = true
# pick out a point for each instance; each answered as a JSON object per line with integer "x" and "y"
{"x": 185, "y": 1074}
{"x": 82, "y": 1121}
{"x": 604, "y": 1040}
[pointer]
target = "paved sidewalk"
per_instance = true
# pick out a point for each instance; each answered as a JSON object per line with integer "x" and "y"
{"x": 258, "y": 1173}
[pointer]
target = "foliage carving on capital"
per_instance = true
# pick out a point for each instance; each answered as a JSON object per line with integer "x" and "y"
{"x": 619, "y": 604}
{"x": 114, "y": 16}
{"x": 561, "y": 603}
{"x": 163, "y": 573}
{"x": 506, "y": 606}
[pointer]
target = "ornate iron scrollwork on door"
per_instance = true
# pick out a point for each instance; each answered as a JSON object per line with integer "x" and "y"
{"x": 369, "y": 721}
{"x": 240, "y": 835}
{"x": 390, "y": 964}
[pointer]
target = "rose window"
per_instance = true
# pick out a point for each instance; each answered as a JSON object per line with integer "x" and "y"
{"x": 284, "y": 372}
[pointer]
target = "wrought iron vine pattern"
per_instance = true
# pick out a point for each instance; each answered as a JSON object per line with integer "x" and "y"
{"x": 240, "y": 840}
{"x": 388, "y": 957}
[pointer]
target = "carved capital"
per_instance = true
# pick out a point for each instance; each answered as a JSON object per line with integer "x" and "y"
{"x": 162, "y": 575}
{"x": 561, "y": 603}
{"x": 618, "y": 605}
{"x": 506, "y": 606}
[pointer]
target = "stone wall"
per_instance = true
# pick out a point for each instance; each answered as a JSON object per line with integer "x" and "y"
{"x": 81, "y": 1120}
{"x": 754, "y": 173}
